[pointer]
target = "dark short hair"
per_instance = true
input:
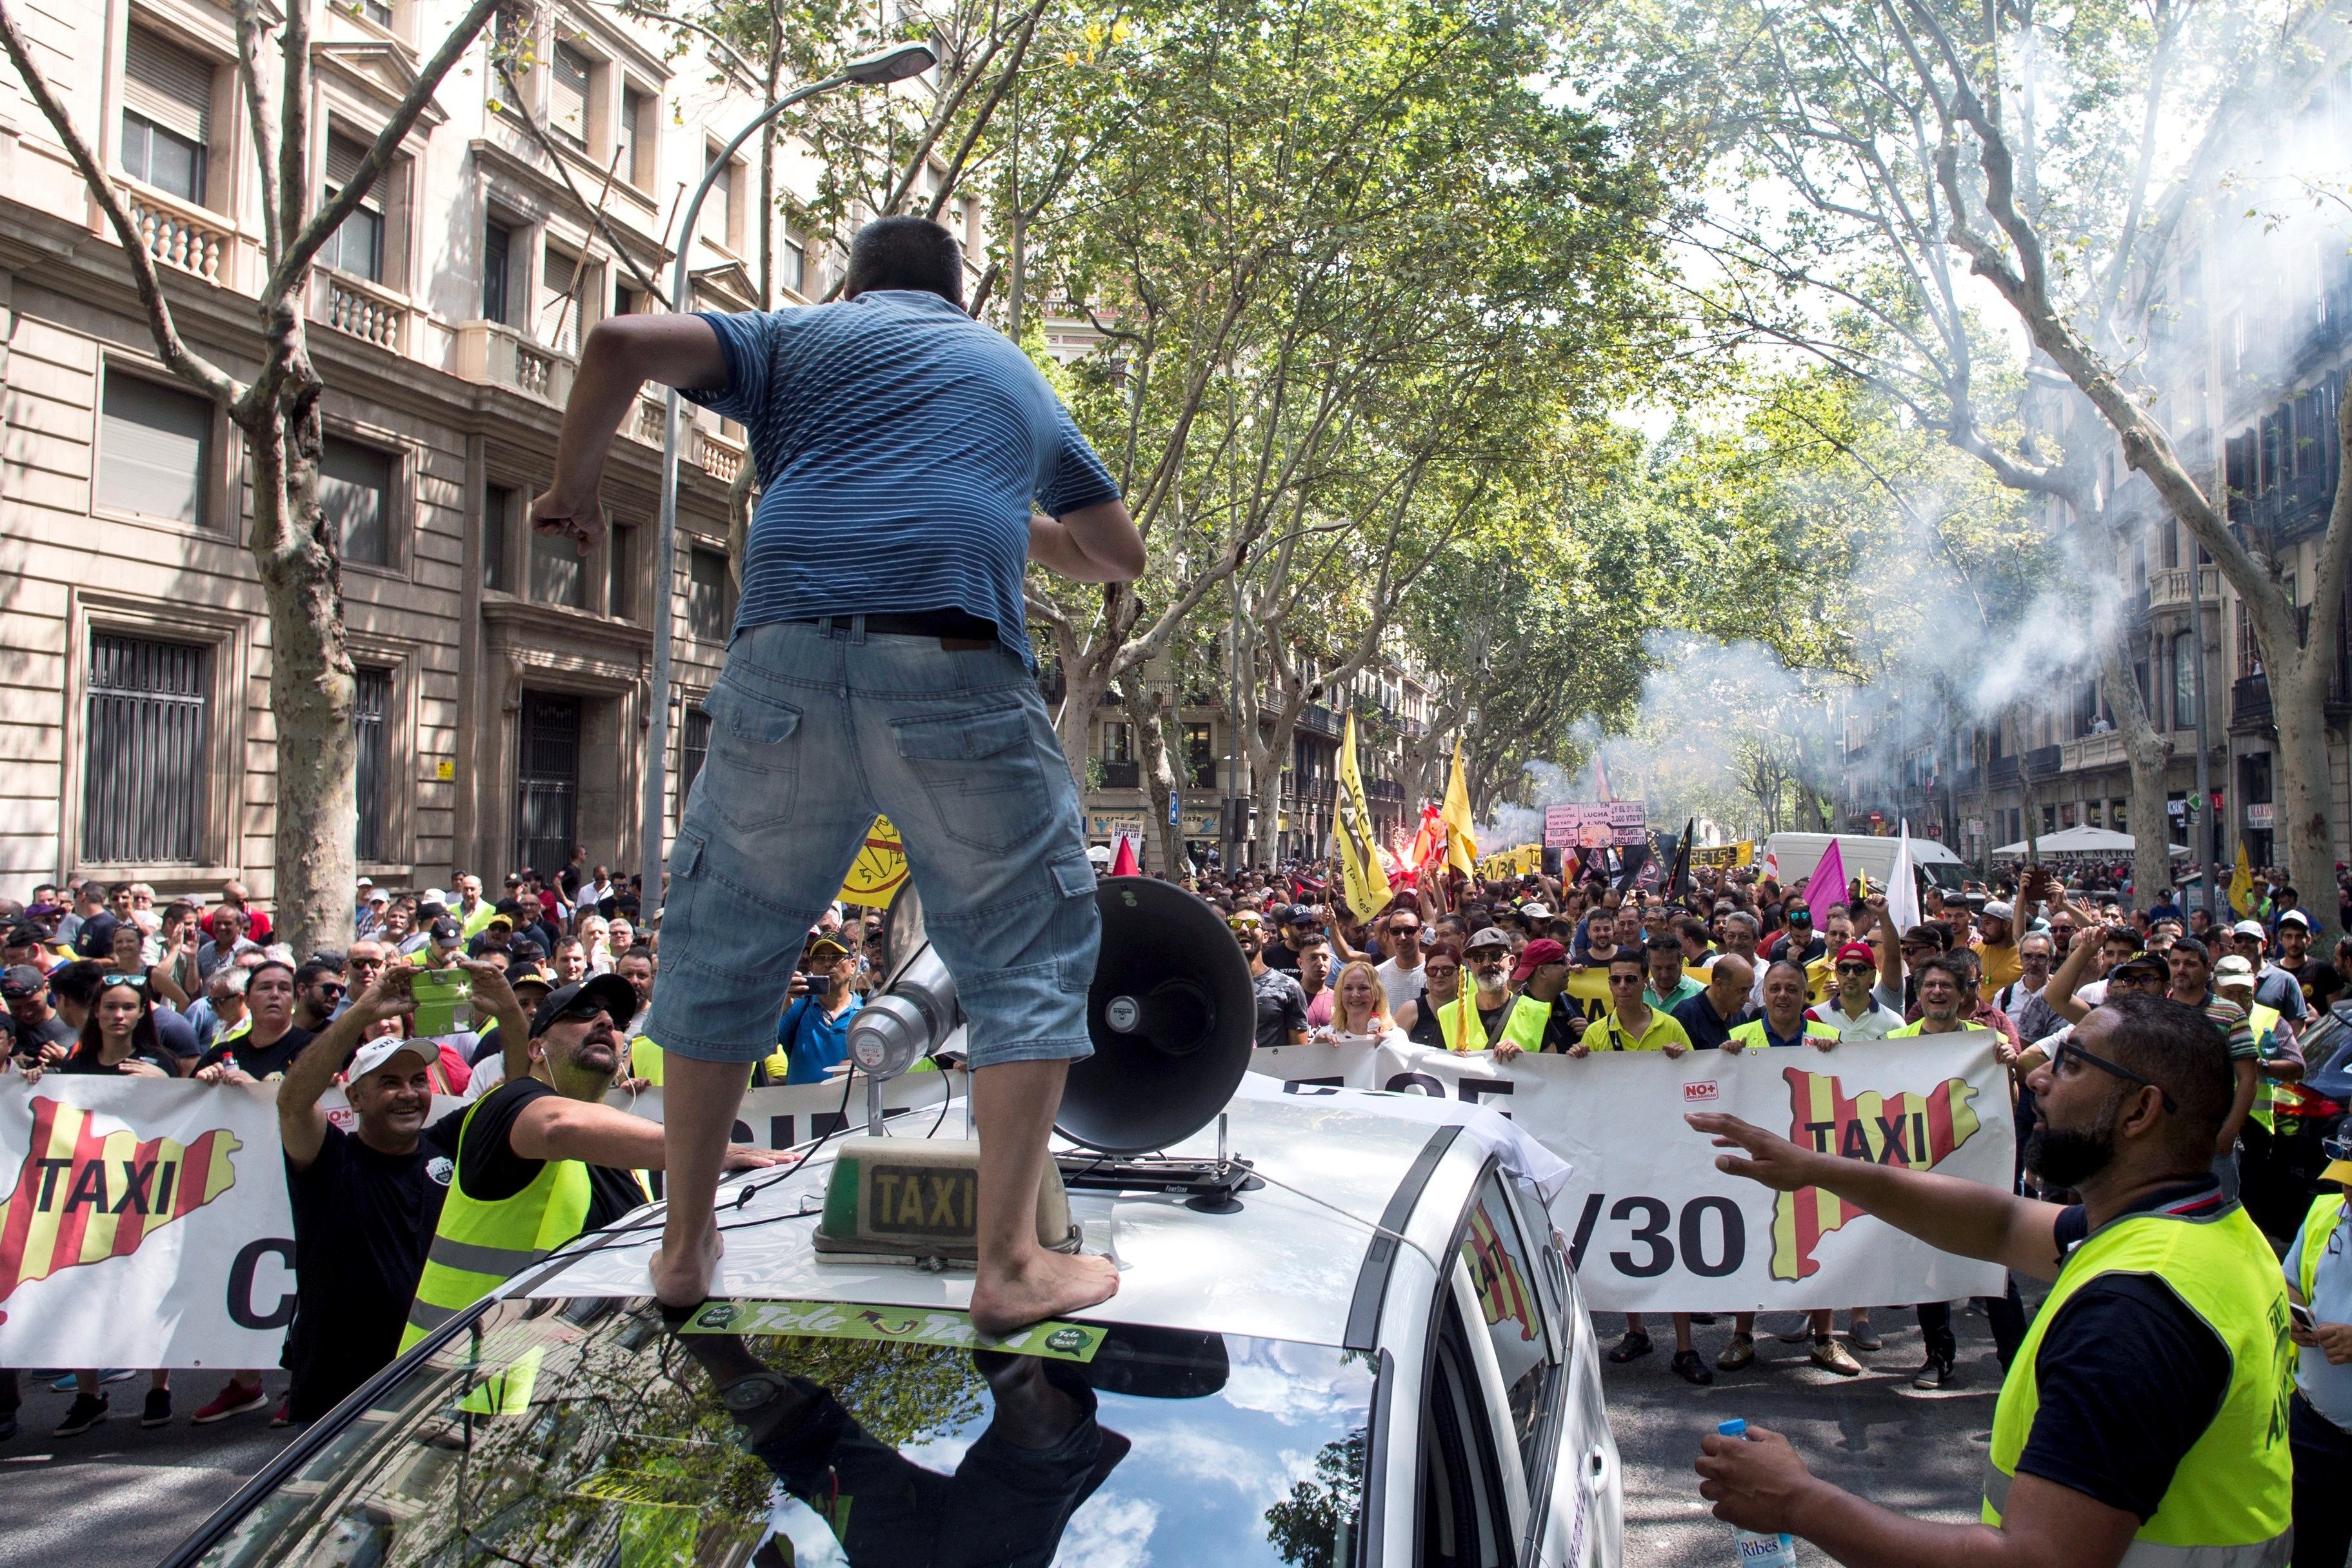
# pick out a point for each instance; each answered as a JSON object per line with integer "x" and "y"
{"x": 2191, "y": 944}
{"x": 906, "y": 253}
{"x": 1624, "y": 956}
{"x": 1944, "y": 966}
{"x": 2183, "y": 1052}
{"x": 1792, "y": 967}
{"x": 1664, "y": 944}
{"x": 76, "y": 982}
{"x": 291, "y": 977}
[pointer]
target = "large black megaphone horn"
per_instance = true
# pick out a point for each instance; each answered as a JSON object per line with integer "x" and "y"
{"x": 1172, "y": 1014}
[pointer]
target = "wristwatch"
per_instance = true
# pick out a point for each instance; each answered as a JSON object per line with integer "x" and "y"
{"x": 751, "y": 1391}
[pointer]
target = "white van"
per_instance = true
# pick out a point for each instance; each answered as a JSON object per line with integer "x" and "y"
{"x": 1796, "y": 855}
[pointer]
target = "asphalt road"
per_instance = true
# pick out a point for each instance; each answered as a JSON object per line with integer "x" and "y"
{"x": 1921, "y": 1453}
{"x": 120, "y": 1494}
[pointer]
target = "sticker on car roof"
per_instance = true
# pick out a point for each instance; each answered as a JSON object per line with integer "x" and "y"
{"x": 1052, "y": 1340}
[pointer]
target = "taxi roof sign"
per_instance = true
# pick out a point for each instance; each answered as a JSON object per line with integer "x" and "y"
{"x": 918, "y": 1200}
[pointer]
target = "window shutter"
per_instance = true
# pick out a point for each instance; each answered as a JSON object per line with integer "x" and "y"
{"x": 344, "y": 157}
{"x": 567, "y": 108}
{"x": 168, "y": 85}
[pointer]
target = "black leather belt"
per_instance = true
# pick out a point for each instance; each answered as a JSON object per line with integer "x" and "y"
{"x": 948, "y": 626}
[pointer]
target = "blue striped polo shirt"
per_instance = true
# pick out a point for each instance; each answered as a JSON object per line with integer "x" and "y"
{"x": 900, "y": 446}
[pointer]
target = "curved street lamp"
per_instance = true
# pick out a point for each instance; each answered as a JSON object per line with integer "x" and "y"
{"x": 894, "y": 64}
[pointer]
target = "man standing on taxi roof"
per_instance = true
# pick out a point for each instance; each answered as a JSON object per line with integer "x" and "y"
{"x": 880, "y": 665}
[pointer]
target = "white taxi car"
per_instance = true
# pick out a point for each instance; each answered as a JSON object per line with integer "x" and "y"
{"x": 1380, "y": 1358}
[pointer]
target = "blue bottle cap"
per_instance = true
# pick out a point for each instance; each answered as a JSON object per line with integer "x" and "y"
{"x": 1731, "y": 1428}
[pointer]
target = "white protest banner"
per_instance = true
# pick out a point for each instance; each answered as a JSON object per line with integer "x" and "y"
{"x": 1561, "y": 823}
{"x": 782, "y": 1116}
{"x": 147, "y": 1226}
{"x": 1654, "y": 1227}
{"x": 1340, "y": 1066}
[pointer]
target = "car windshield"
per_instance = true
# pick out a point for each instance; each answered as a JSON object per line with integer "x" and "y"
{"x": 583, "y": 1431}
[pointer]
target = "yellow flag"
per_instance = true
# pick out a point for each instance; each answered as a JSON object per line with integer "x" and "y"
{"x": 1461, "y": 843}
{"x": 1360, "y": 862}
{"x": 2242, "y": 883}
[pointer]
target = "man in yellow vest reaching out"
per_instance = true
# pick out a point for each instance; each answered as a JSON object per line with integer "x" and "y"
{"x": 541, "y": 1159}
{"x": 2144, "y": 1419}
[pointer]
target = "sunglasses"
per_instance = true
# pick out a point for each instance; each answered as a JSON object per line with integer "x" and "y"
{"x": 136, "y": 982}
{"x": 2070, "y": 1051}
{"x": 1440, "y": 971}
{"x": 1856, "y": 970}
{"x": 1617, "y": 980}
{"x": 580, "y": 1009}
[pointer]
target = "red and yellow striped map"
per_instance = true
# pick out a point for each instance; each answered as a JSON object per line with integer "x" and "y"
{"x": 83, "y": 1195}
{"x": 1918, "y": 1131}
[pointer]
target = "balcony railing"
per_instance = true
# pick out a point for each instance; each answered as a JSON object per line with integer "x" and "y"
{"x": 364, "y": 311}
{"x": 2250, "y": 702}
{"x": 2092, "y": 751}
{"x": 1122, "y": 775}
{"x": 495, "y": 353}
{"x": 2045, "y": 761}
{"x": 1384, "y": 789}
{"x": 721, "y": 457}
{"x": 1320, "y": 719}
{"x": 2001, "y": 770}
{"x": 2167, "y": 587}
{"x": 180, "y": 234}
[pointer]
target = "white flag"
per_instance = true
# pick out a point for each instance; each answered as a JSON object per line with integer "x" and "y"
{"x": 1903, "y": 887}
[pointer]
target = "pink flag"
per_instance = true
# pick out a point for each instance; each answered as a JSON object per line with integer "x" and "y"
{"x": 1123, "y": 862}
{"x": 1827, "y": 887}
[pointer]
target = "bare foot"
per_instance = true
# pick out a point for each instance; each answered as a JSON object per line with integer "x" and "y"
{"x": 684, "y": 1278}
{"x": 1046, "y": 1285}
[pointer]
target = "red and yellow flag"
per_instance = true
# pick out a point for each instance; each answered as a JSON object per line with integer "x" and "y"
{"x": 1915, "y": 1130}
{"x": 83, "y": 1195}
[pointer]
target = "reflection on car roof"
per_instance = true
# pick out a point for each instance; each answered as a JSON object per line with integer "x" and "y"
{"x": 1286, "y": 1267}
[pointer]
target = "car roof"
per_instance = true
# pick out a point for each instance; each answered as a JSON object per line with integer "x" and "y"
{"x": 1286, "y": 1267}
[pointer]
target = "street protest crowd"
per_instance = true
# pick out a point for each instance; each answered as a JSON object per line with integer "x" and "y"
{"x": 394, "y": 1216}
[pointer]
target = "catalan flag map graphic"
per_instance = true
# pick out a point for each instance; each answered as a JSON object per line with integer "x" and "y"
{"x": 83, "y": 1194}
{"x": 1915, "y": 1131}
{"x": 152, "y": 1213}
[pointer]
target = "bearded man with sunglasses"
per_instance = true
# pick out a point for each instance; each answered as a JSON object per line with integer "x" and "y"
{"x": 2143, "y": 1419}
{"x": 541, "y": 1158}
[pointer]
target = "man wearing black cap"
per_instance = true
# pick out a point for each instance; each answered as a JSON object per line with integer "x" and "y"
{"x": 541, "y": 1158}
{"x": 33, "y": 1025}
{"x": 1298, "y": 928}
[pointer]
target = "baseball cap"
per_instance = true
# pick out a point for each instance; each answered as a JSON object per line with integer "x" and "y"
{"x": 1535, "y": 955}
{"x": 2338, "y": 1151}
{"x": 610, "y": 992}
{"x": 1098, "y": 854}
{"x": 2294, "y": 917}
{"x": 1534, "y": 912}
{"x": 1862, "y": 950}
{"x": 828, "y": 947}
{"x": 382, "y": 1052}
{"x": 2232, "y": 967}
{"x": 529, "y": 975}
{"x": 2147, "y": 964}
{"x": 364, "y": 882}
{"x": 21, "y": 980}
{"x": 1997, "y": 910}
{"x": 500, "y": 921}
{"x": 432, "y": 895}
{"x": 1491, "y": 937}
{"x": 2253, "y": 928}
{"x": 445, "y": 933}
{"x": 1298, "y": 915}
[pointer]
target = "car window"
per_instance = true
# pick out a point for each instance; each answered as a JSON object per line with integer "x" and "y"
{"x": 1465, "y": 1512}
{"x": 584, "y": 1432}
{"x": 1505, "y": 1277}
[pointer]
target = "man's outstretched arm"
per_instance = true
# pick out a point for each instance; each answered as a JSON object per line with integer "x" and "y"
{"x": 1094, "y": 544}
{"x": 620, "y": 355}
{"x": 1950, "y": 1214}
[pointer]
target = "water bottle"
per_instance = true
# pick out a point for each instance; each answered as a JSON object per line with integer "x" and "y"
{"x": 1779, "y": 1551}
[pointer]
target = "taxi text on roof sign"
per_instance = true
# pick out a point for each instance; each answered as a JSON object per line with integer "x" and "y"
{"x": 910, "y": 1325}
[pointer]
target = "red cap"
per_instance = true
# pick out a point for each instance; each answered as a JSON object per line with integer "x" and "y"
{"x": 1861, "y": 950}
{"x": 1541, "y": 951}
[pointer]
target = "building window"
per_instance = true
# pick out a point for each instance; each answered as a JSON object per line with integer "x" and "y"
{"x": 567, "y": 98}
{"x": 377, "y": 11}
{"x": 497, "y": 256}
{"x": 355, "y": 493}
{"x": 167, "y": 101}
{"x": 357, "y": 246}
{"x": 498, "y": 523}
{"x": 143, "y": 775}
{"x": 1200, "y": 755}
{"x": 693, "y": 748}
{"x": 372, "y": 728}
{"x": 558, "y": 575}
{"x": 718, "y": 206}
{"x": 620, "y": 601}
{"x": 560, "y": 298}
{"x": 2184, "y": 682}
{"x": 1118, "y": 741}
{"x": 627, "y": 301}
{"x": 710, "y": 594}
{"x": 793, "y": 264}
{"x": 154, "y": 449}
{"x": 637, "y": 137}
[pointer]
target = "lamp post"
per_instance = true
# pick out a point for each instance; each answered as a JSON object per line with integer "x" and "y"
{"x": 894, "y": 64}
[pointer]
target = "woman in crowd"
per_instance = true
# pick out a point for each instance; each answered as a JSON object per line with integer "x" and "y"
{"x": 1359, "y": 1010}
{"x": 1425, "y": 1019}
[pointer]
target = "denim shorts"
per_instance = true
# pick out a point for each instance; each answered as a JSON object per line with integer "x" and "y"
{"x": 813, "y": 732}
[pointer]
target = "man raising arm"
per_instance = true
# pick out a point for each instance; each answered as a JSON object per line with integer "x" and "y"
{"x": 879, "y": 665}
{"x": 2143, "y": 1406}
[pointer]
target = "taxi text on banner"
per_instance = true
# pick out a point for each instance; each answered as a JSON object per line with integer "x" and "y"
{"x": 172, "y": 1196}
{"x": 1654, "y": 1227}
